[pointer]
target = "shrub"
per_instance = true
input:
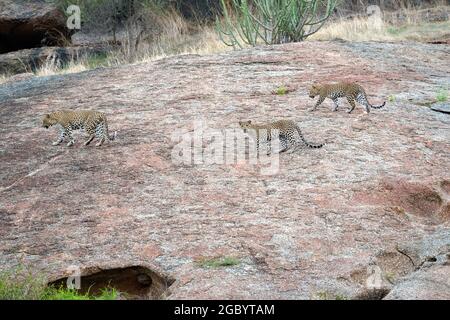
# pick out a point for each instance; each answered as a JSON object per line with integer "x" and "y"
{"x": 271, "y": 21}
{"x": 22, "y": 284}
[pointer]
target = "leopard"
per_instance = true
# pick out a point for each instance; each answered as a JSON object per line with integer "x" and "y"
{"x": 288, "y": 132}
{"x": 94, "y": 123}
{"x": 350, "y": 90}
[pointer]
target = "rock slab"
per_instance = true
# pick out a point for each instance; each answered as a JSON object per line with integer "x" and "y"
{"x": 330, "y": 223}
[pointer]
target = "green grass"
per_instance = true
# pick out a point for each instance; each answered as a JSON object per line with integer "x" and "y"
{"x": 442, "y": 95}
{"x": 98, "y": 60}
{"x": 281, "y": 91}
{"x": 218, "y": 262}
{"x": 52, "y": 293}
{"x": 325, "y": 295}
{"x": 391, "y": 98}
{"x": 21, "y": 284}
{"x": 396, "y": 30}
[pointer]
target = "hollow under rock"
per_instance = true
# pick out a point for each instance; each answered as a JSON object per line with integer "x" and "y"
{"x": 133, "y": 283}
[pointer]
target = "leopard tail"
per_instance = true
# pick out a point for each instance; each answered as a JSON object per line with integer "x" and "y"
{"x": 378, "y": 107}
{"x": 309, "y": 144}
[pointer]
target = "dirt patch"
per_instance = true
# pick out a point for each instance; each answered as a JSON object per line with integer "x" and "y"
{"x": 394, "y": 265}
{"x": 134, "y": 283}
{"x": 409, "y": 197}
{"x": 445, "y": 186}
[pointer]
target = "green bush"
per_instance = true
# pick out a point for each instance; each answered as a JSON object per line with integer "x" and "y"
{"x": 22, "y": 284}
{"x": 251, "y": 22}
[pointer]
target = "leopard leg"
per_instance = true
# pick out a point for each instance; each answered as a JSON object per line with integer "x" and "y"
{"x": 352, "y": 104}
{"x": 318, "y": 103}
{"x": 284, "y": 144}
{"x": 268, "y": 148}
{"x": 90, "y": 130}
{"x": 336, "y": 104}
{"x": 102, "y": 139}
{"x": 100, "y": 133}
{"x": 89, "y": 140}
{"x": 267, "y": 145}
{"x": 292, "y": 139}
{"x": 258, "y": 146}
{"x": 62, "y": 134}
{"x": 69, "y": 136}
{"x": 362, "y": 100}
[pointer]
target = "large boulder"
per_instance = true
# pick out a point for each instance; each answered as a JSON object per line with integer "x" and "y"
{"x": 431, "y": 279}
{"x": 31, "y": 24}
{"x": 329, "y": 223}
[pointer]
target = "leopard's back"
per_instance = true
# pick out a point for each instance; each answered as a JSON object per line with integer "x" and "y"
{"x": 343, "y": 89}
{"x": 80, "y": 119}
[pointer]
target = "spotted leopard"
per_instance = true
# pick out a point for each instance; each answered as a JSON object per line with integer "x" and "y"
{"x": 288, "y": 132}
{"x": 350, "y": 90}
{"x": 93, "y": 122}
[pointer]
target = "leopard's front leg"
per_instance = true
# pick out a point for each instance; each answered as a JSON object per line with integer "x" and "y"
{"x": 336, "y": 104}
{"x": 68, "y": 131}
{"x": 62, "y": 134}
{"x": 351, "y": 101}
{"x": 318, "y": 103}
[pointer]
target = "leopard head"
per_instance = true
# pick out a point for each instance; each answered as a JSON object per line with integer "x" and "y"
{"x": 314, "y": 90}
{"x": 245, "y": 125}
{"x": 48, "y": 121}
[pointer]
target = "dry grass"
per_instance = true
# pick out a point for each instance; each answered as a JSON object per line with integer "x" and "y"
{"x": 202, "y": 41}
{"x": 49, "y": 69}
{"x": 3, "y": 78}
{"x": 406, "y": 24}
{"x": 176, "y": 36}
{"x": 356, "y": 29}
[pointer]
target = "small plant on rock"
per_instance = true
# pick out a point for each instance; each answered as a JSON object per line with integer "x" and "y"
{"x": 281, "y": 91}
{"x": 218, "y": 262}
{"x": 442, "y": 95}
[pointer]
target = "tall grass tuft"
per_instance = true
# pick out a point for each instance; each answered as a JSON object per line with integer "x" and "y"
{"x": 22, "y": 284}
{"x": 405, "y": 24}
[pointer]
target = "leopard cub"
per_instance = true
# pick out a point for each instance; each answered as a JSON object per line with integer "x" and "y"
{"x": 350, "y": 90}
{"x": 93, "y": 122}
{"x": 289, "y": 133}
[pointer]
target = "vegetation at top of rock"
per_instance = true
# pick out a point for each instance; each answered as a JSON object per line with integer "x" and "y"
{"x": 119, "y": 32}
{"x": 271, "y": 21}
{"x": 22, "y": 284}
